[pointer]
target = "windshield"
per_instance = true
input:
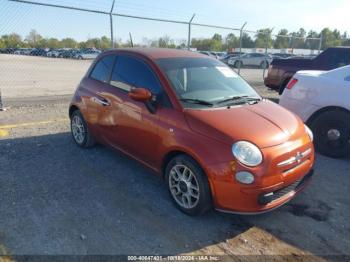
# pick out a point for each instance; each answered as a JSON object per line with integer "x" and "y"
{"x": 202, "y": 82}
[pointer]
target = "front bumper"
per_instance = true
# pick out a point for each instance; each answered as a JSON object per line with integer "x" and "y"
{"x": 285, "y": 192}
{"x": 274, "y": 186}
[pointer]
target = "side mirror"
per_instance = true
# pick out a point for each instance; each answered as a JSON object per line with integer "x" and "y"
{"x": 140, "y": 94}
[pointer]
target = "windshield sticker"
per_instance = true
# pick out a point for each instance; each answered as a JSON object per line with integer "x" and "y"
{"x": 227, "y": 72}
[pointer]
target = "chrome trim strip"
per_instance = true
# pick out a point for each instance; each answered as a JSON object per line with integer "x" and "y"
{"x": 296, "y": 158}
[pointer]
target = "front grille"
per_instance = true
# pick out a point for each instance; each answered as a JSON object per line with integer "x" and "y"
{"x": 284, "y": 191}
{"x": 275, "y": 195}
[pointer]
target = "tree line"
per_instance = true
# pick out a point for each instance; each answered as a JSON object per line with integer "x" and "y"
{"x": 260, "y": 39}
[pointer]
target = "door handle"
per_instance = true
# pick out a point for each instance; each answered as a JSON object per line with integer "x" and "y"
{"x": 103, "y": 102}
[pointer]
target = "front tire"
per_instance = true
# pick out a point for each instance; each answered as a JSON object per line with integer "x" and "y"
{"x": 188, "y": 185}
{"x": 332, "y": 133}
{"x": 80, "y": 132}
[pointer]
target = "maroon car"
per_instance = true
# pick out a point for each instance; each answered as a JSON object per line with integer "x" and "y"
{"x": 282, "y": 70}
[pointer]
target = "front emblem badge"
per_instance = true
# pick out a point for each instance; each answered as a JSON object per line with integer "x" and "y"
{"x": 298, "y": 157}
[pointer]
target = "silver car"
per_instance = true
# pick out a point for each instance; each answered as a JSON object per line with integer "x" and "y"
{"x": 89, "y": 54}
{"x": 250, "y": 59}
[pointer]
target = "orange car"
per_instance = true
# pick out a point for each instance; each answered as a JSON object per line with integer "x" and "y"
{"x": 198, "y": 124}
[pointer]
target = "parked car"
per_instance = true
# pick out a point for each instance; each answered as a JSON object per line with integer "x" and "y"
{"x": 38, "y": 52}
{"x": 283, "y": 55}
{"x": 53, "y": 53}
{"x": 89, "y": 54}
{"x": 207, "y": 53}
{"x": 322, "y": 100}
{"x": 194, "y": 121}
{"x": 68, "y": 53}
{"x": 228, "y": 56}
{"x": 282, "y": 70}
{"x": 9, "y": 50}
{"x": 250, "y": 59}
{"x": 218, "y": 55}
{"x": 23, "y": 51}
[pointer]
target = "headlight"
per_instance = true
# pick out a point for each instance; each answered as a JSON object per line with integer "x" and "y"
{"x": 247, "y": 153}
{"x": 309, "y": 132}
{"x": 244, "y": 177}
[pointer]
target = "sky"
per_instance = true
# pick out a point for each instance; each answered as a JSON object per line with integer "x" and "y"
{"x": 277, "y": 14}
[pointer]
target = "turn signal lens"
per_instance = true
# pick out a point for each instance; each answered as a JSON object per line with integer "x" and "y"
{"x": 292, "y": 83}
{"x": 245, "y": 177}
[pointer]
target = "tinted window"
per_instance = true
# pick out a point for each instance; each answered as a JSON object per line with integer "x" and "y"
{"x": 129, "y": 72}
{"x": 340, "y": 58}
{"x": 103, "y": 69}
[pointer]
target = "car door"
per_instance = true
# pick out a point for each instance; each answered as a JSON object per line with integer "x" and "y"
{"x": 87, "y": 54}
{"x": 133, "y": 128}
{"x": 247, "y": 59}
{"x": 96, "y": 107}
{"x": 256, "y": 59}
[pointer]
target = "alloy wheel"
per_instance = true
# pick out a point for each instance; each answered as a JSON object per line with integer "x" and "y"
{"x": 184, "y": 186}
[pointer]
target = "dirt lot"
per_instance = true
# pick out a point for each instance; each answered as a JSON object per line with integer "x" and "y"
{"x": 59, "y": 199}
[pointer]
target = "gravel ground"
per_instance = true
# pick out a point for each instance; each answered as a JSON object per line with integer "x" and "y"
{"x": 59, "y": 199}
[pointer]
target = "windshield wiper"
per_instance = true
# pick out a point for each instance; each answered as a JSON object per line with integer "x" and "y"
{"x": 196, "y": 101}
{"x": 246, "y": 98}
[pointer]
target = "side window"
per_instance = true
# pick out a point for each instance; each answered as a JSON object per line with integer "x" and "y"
{"x": 339, "y": 59}
{"x": 129, "y": 72}
{"x": 102, "y": 69}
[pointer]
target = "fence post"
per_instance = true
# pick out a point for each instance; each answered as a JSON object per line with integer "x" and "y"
{"x": 240, "y": 46}
{"x": 189, "y": 33}
{"x": 266, "y": 47}
{"x": 292, "y": 43}
{"x": 111, "y": 24}
{"x": 320, "y": 45}
{"x": 1, "y": 105}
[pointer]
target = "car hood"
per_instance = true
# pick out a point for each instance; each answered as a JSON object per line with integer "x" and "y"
{"x": 265, "y": 124}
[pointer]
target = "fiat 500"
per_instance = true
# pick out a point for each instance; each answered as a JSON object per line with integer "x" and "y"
{"x": 196, "y": 123}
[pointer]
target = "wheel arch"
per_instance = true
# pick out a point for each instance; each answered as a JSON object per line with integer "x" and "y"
{"x": 325, "y": 109}
{"x": 72, "y": 108}
{"x": 173, "y": 153}
{"x": 285, "y": 80}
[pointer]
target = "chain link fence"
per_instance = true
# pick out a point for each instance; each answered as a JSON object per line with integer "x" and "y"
{"x": 45, "y": 75}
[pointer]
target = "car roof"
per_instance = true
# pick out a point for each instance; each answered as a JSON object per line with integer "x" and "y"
{"x": 157, "y": 53}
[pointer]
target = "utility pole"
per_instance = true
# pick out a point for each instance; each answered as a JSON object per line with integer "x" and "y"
{"x": 189, "y": 33}
{"x": 131, "y": 42}
{"x": 111, "y": 23}
{"x": 1, "y": 105}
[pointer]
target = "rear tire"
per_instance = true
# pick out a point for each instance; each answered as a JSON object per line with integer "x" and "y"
{"x": 332, "y": 133}
{"x": 188, "y": 185}
{"x": 80, "y": 132}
